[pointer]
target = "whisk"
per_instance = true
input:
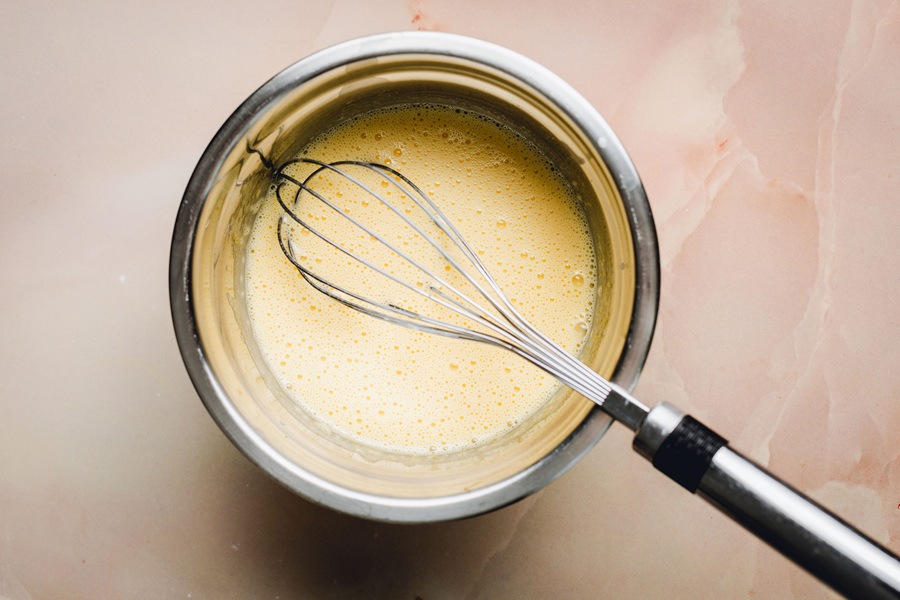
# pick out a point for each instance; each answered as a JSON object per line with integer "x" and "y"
{"x": 461, "y": 299}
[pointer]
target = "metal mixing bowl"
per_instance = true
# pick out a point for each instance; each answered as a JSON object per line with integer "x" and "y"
{"x": 229, "y": 185}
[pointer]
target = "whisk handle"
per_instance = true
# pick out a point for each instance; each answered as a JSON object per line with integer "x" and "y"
{"x": 801, "y": 529}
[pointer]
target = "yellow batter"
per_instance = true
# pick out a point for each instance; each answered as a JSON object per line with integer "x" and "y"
{"x": 402, "y": 391}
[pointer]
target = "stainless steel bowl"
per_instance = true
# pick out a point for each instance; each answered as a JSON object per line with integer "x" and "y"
{"x": 229, "y": 185}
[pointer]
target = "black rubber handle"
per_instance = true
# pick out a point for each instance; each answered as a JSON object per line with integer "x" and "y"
{"x": 687, "y": 453}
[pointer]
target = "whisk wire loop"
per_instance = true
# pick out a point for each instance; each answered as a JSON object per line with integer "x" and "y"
{"x": 503, "y": 326}
{"x": 469, "y": 307}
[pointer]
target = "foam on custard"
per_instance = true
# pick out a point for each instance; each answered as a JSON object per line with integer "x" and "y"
{"x": 402, "y": 391}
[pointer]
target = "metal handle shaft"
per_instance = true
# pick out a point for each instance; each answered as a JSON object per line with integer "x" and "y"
{"x": 799, "y": 528}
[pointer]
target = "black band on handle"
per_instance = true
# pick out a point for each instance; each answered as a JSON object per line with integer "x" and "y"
{"x": 686, "y": 454}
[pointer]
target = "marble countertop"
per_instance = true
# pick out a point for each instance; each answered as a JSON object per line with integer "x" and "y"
{"x": 768, "y": 137}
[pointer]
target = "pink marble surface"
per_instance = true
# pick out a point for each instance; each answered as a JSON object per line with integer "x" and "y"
{"x": 768, "y": 137}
